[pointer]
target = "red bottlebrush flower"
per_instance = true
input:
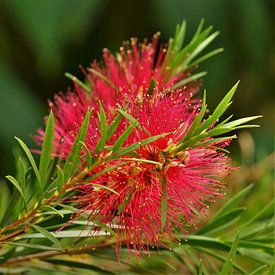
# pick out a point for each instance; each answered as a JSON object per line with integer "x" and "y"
{"x": 187, "y": 179}
{"x": 161, "y": 189}
{"x": 126, "y": 79}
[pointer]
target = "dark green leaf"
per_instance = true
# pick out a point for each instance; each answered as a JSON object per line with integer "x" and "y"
{"x": 4, "y": 199}
{"x": 103, "y": 129}
{"x": 234, "y": 201}
{"x": 58, "y": 212}
{"x": 122, "y": 138}
{"x": 227, "y": 267}
{"x": 206, "y": 242}
{"x": 74, "y": 155}
{"x": 89, "y": 158}
{"x": 48, "y": 235}
{"x": 46, "y": 150}
{"x": 32, "y": 162}
{"x": 18, "y": 187}
{"x": 257, "y": 255}
{"x": 113, "y": 126}
{"x": 269, "y": 208}
{"x": 221, "y": 222}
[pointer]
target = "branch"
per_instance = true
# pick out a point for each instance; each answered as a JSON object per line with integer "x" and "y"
{"x": 48, "y": 254}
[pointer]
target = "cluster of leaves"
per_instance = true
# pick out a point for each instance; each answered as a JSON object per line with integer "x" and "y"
{"x": 36, "y": 212}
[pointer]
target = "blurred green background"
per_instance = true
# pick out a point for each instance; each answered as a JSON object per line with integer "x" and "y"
{"x": 40, "y": 40}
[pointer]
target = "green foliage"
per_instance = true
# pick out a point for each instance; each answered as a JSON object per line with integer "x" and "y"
{"x": 40, "y": 221}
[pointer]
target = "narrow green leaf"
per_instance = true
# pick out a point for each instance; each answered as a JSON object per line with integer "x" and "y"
{"x": 213, "y": 140}
{"x": 220, "y": 109}
{"x": 199, "y": 48}
{"x": 113, "y": 126}
{"x": 30, "y": 245}
{"x": 205, "y": 57}
{"x": 106, "y": 170}
{"x": 164, "y": 203}
{"x": 188, "y": 49}
{"x": 267, "y": 209}
{"x": 206, "y": 242}
{"x": 79, "y": 82}
{"x": 103, "y": 129}
{"x": 255, "y": 230}
{"x": 236, "y": 123}
{"x": 130, "y": 118}
{"x": 58, "y": 212}
{"x": 89, "y": 158}
{"x": 197, "y": 120}
{"x": 221, "y": 258}
{"x": 66, "y": 234}
{"x": 31, "y": 160}
{"x": 179, "y": 36}
{"x": 105, "y": 187}
{"x": 141, "y": 160}
{"x": 221, "y": 222}
{"x": 4, "y": 199}
{"x": 256, "y": 245}
{"x": 45, "y": 157}
{"x": 200, "y": 268}
{"x": 104, "y": 78}
{"x": 175, "y": 44}
{"x": 257, "y": 255}
{"x": 60, "y": 180}
{"x": 139, "y": 144}
{"x": 227, "y": 267}
{"x": 198, "y": 31}
{"x": 122, "y": 138}
{"x": 48, "y": 235}
{"x": 257, "y": 271}
{"x": 18, "y": 187}
{"x": 271, "y": 270}
{"x": 74, "y": 155}
{"x": 234, "y": 201}
{"x": 187, "y": 80}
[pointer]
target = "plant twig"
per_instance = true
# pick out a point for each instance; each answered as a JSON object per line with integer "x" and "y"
{"x": 48, "y": 254}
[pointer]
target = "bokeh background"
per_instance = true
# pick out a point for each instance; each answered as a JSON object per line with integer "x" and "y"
{"x": 40, "y": 40}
